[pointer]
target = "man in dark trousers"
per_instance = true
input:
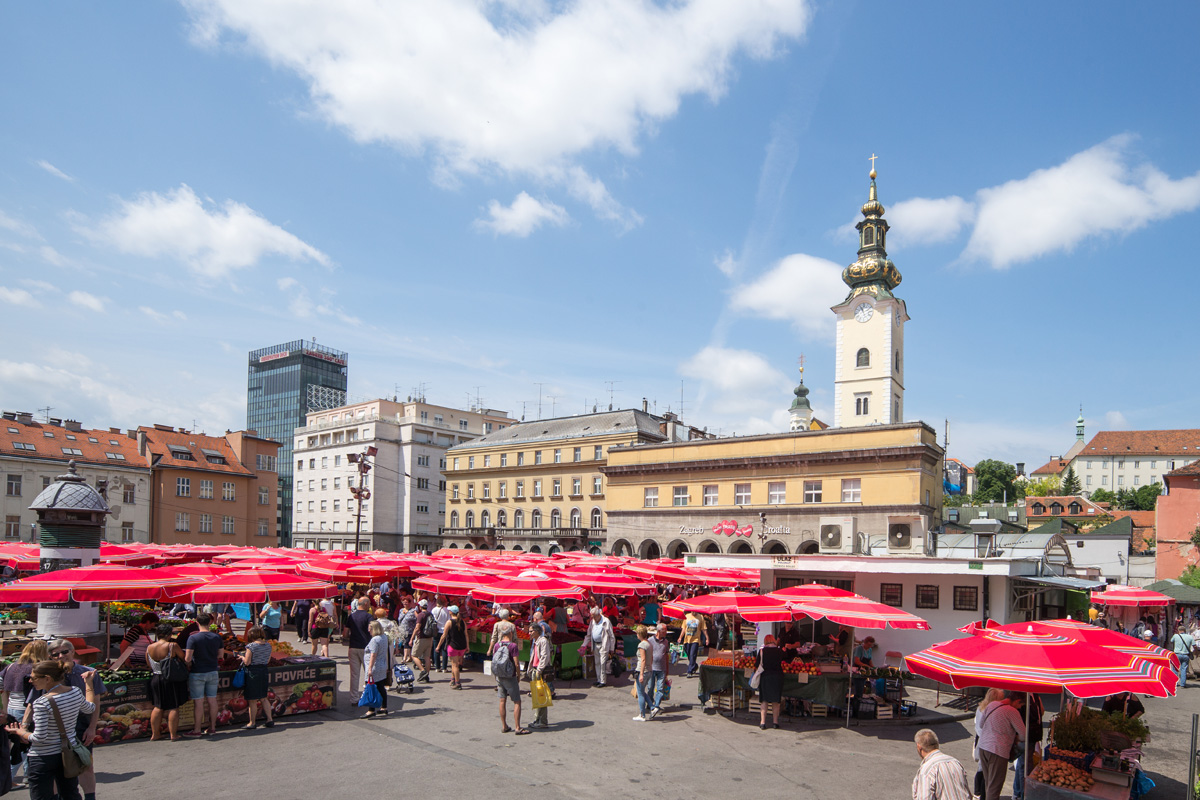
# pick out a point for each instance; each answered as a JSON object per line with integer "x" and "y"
{"x": 356, "y": 636}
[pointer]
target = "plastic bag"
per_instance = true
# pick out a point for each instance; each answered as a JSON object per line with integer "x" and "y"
{"x": 239, "y": 678}
{"x": 539, "y": 691}
{"x": 370, "y": 696}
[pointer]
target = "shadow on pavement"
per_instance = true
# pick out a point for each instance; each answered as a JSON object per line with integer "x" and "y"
{"x": 117, "y": 777}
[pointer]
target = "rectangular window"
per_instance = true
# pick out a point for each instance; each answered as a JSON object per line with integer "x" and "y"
{"x": 456, "y": 463}
{"x": 206, "y": 523}
{"x": 598, "y": 452}
{"x": 183, "y": 521}
{"x": 126, "y": 531}
{"x": 487, "y": 490}
{"x": 537, "y": 456}
{"x": 14, "y": 486}
{"x": 422, "y": 508}
{"x": 650, "y": 497}
{"x": 862, "y": 405}
{"x": 504, "y": 459}
{"x": 262, "y": 527}
{"x": 312, "y": 463}
{"x": 337, "y": 505}
{"x": 312, "y": 485}
{"x": 129, "y": 494}
{"x": 966, "y": 598}
{"x": 264, "y": 495}
{"x": 1089, "y": 480}
{"x": 537, "y": 487}
{"x": 679, "y": 496}
{"x": 324, "y": 483}
{"x": 812, "y": 491}
{"x": 1120, "y": 480}
{"x": 597, "y": 485}
{"x": 1137, "y": 479}
{"x": 1137, "y": 465}
{"x": 454, "y": 492}
{"x": 422, "y": 483}
{"x": 12, "y": 527}
{"x": 229, "y": 490}
{"x": 337, "y": 461}
{"x": 206, "y": 490}
{"x": 324, "y": 462}
{"x": 556, "y": 487}
{"x": 462, "y": 424}
{"x": 422, "y": 461}
{"x": 470, "y": 491}
{"x": 520, "y": 489}
{"x": 741, "y": 494}
{"x": 852, "y": 490}
{"x": 1153, "y": 465}
{"x": 227, "y": 525}
{"x": 520, "y": 459}
{"x": 1121, "y": 464}
{"x": 776, "y": 493}
{"x": 557, "y": 455}
{"x": 576, "y": 487}
{"x": 709, "y": 495}
{"x": 311, "y": 504}
{"x": 1089, "y": 463}
{"x": 487, "y": 461}
{"x": 183, "y": 488}
{"x": 470, "y": 462}
{"x": 502, "y": 489}
{"x": 927, "y": 596}
{"x": 337, "y": 483}
{"x": 891, "y": 594}
{"x": 577, "y": 453}
{"x": 324, "y": 505}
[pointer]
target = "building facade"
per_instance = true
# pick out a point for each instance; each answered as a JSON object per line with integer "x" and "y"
{"x": 1116, "y": 460}
{"x": 1177, "y": 523}
{"x": 844, "y": 491}
{"x": 33, "y": 454}
{"x": 210, "y": 489}
{"x": 285, "y": 382}
{"x": 408, "y": 490}
{"x": 539, "y": 486}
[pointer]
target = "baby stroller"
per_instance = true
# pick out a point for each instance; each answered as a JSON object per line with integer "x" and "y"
{"x": 402, "y": 676}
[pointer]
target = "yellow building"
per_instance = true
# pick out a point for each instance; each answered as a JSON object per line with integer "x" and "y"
{"x": 870, "y": 490}
{"x": 538, "y": 486}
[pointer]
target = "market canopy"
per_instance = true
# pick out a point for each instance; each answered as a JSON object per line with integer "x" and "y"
{"x": 1040, "y": 662}
{"x": 1093, "y": 634}
{"x": 1131, "y": 596}
{"x": 809, "y": 591}
{"x": 659, "y": 572}
{"x": 1183, "y": 594}
{"x": 522, "y": 589}
{"x": 750, "y": 606}
{"x": 96, "y": 584}
{"x": 859, "y": 612}
{"x": 126, "y": 556}
{"x": 615, "y": 584}
{"x": 454, "y": 583}
{"x": 258, "y": 586}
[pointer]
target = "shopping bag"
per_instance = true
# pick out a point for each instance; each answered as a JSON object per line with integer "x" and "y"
{"x": 239, "y": 678}
{"x": 540, "y": 693}
{"x": 678, "y": 653}
{"x": 370, "y": 696}
{"x": 756, "y": 678}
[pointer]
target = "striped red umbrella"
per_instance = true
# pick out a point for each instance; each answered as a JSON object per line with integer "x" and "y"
{"x": 114, "y": 554}
{"x": 259, "y": 586}
{"x": 1092, "y": 634}
{"x": 809, "y": 591}
{"x": 659, "y": 573}
{"x": 523, "y": 588}
{"x": 1040, "y": 662}
{"x": 749, "y": 606}
{"x": 197, "y": 570}
{"x": 606, "y": 584}
{"x": 859, "y": 612}
{"x": 1131, "y": 596}
{"x": 455, "y": 583}
{"x": 98, "y": 584}
{"x": 271, "y": 563}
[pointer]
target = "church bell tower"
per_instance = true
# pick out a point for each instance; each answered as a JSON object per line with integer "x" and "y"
{"x": 869, "y": 366}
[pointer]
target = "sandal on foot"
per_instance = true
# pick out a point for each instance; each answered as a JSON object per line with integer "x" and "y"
{"x": 522, "y": 731}
{"x": 506, "y": 729}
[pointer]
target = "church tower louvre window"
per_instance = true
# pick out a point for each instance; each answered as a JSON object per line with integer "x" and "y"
{"x": 870, "y": 320}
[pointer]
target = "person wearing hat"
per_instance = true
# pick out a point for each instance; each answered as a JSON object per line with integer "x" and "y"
{"x": 454, "y": 639}
{"x": 422, "y": 640}
{"x": 770, "y": 682}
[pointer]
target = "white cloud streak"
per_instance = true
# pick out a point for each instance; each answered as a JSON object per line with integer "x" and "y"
{"x": 18, "y": 297}
{"x": 522, "y": 217}
{"x": 923, "y": 220}
{"x": 738, "y": 388}
{"x": 212, "y": 242}
{"x": 89, "y": 301}
{"x": 55, "y": 171}
{"x": 800, "y": 289}
{"x": 18, "y": 227}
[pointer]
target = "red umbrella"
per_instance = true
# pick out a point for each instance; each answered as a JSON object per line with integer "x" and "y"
{"x": 99, "y": 583}
{"x": 522, "y": 589}
{"x": 259, "y": 586}
{"x": 750, "y": 606}
{"x": 197, "y": 570}
{"x": 1040, "y": 662}
{"x": 809, "y": 591}
{"x": 606, "y": 584}
{"x": 455, "y": 583}
{"x": 272, "y": 563}
{"x": 1131, "y": 596}
{"x": 1092, "y": 634}
{"x": 113, "y": 554}
{"x": 859, "y": 612}
{"x": 659, "y": 573}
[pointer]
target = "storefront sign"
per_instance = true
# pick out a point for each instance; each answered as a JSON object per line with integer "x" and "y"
{"x": 684, "y": 529}
{"x": 776, "y": 529}
{"x": 975, "y": 565}
{"x": 783, "y": 561}
{"x": 341, "y": 362}
{"x": 274, "y": 356}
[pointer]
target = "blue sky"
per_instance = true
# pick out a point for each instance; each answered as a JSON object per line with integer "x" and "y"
{"x": 501, "y": 194}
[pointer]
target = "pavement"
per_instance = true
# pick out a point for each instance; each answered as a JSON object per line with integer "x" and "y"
{"x": 449, "y": 742}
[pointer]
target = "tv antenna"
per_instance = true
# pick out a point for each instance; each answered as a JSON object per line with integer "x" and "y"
{"x": 46, "y": 413}
{"x": 611, "y": 391}
{"x": 540, "y": 385}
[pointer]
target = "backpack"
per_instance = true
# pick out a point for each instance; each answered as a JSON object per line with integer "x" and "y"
{"x": 502, "y": 662}
{"x": 429, "y": 627}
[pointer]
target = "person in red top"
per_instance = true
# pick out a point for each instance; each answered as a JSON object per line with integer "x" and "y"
{"x": 610, "y": 610}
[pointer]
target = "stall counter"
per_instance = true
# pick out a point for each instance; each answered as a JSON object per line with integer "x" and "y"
{"x": 1036, "y": 790}
{"x": 830, "y": 689}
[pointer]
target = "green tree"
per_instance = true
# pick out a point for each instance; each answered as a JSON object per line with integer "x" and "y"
{"x": 1191, "y": 576}
{"x": 1146, "y": 498}
{"x": 1103, "y": 496}
{"x": 1044, "y": 487}
{"x": 1070, "y": 482}
{"x": 994, "y": 481}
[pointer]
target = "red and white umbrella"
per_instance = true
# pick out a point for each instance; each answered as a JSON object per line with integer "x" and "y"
{"x": 615, "y": 584}
{"x": 859, "y": 612}
{"x": 125, "y": 556}
{"x": 809, "y": 591}
{"x": 659, "y": 572}
{"x": 522, "y": 589}
{"x": 99, "y": 583}
{"x": 1131, "y": 596}
{"x": 1092, "y": 634}
{"x": 453, "y": 583}
{"x": 749, "y": 606}
{"x": 270, "y": 563}
{"x": 259, "y": 586}
{"x": 198, "y": 569}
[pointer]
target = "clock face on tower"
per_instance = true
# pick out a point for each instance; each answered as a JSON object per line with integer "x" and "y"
{"x": 863, "y": 312}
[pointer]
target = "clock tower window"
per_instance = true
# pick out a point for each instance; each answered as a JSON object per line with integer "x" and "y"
{"x": 864, "y": 357}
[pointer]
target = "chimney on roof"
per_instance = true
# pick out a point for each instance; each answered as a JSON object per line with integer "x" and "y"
{"x": 55, "y": 421}
{"x": 158, "y": 426}
{"x": 645, "y": 406}
{"x": 73, "y": 425}
{"x": 114, "y": 430}
{"x": 141, "y": 441}
{"x": 24, "y": 417}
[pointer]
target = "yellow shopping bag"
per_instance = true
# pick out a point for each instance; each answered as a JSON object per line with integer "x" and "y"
{"x": 540, "y": 693}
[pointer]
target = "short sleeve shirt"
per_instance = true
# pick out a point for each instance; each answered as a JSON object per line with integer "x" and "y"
{"x": 658, "y": 653}
{"x": 205, "y": 647}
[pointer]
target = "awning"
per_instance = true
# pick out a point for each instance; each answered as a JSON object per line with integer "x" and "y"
{"x": 1078, "y": 584}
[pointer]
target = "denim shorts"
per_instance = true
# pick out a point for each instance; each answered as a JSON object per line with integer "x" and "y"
{"x": 203, "y": 684}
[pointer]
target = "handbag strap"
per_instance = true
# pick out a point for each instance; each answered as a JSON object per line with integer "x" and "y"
{"x": 62, "y": 731}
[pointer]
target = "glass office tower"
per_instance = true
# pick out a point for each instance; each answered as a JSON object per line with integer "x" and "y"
{"x": 285, "y": 382}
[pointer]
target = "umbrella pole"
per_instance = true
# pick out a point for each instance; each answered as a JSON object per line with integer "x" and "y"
{"x": 107, "y": 632}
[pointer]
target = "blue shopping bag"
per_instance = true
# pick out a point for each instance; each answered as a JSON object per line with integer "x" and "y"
{"x": 371, "y": 697}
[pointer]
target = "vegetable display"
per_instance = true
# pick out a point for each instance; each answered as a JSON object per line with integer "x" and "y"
{"x": 1062, "y": 774}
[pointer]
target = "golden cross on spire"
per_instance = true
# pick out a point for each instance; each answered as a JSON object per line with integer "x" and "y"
{"x": 873, "y": 157}
{"x": 800, "y": 361}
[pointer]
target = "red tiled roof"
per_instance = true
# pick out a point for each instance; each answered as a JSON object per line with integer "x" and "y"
{"x": 49, "y": 440}
{"x": 1054, "y": 466}
{"x": 966, "y": 469}
{"x": 1141, "y": 519}
{"x": 1190, "y": 469}
{"x": 1063, "y": 500}
{"x": 160, "y": 442}
{"x": 1147, "y": 443}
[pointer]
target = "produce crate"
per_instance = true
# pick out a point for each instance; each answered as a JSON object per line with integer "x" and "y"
{"x": 884, "y": 712}
{"x": 1084, "y": 762}
{"x": 727, "y": 701}
{"x": 867, "y": 709}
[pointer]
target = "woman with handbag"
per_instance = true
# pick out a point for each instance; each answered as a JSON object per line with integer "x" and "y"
{"x": 255, "y": 659}
{"x": 320, "y": 627}
{"x": 55, "y": 754}
{"x": 768, "y": 665}
{"x": 377, "y": 658}
{"x": 167, "y": 691}
{"x": 540, "y": 664}
{"x": 16, "y": 687}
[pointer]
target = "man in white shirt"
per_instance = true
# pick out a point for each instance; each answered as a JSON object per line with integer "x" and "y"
{"x": 441, "y": 615}
{"x": 941, "y": 776}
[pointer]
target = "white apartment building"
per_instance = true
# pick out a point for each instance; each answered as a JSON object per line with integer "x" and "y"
{"x": 407, "y": 501}
{"x": 1115, "y": 460}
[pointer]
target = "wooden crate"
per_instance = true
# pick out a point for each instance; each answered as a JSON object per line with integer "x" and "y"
{"x": 884, "y": 711}
{"x": 820, "y": 710}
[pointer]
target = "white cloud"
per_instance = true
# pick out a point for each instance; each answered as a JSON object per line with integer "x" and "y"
{"x": 157, "y": 316}
{"x": 523, "y": 217}
{"x": 738, "y": 388}
{"x": 212, "y": 242}
{"x": 1115, "y": 421}
{"x": 800, "y": 288}
{"x": 52, "y": 256}
{"x": 53, "y": 170}
{"x": 924, "y": 220}
{"x": 726, "y": 263}
{"x": 1093, "y": 193}
{"x": 524, "y": 87}
{"x": 18, "y": 227}
{"x": 88, "y": 301}
{"x": 18, "y": 297}
{"x": 302, "y": 306}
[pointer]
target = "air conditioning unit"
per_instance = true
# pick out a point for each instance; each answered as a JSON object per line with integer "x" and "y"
{"x": 905, "y": 535}
{"x": 836, "y": 535}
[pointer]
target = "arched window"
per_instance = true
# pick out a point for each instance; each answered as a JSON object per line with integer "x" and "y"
{"x": 518, "y": 519}
{"x": 470, "y": 519}
{"x": 576, "y": 518}
{"x": 597, "y": 518}
{"x": 868, "y": 236}
{"x": 535, "y": 518}
{"x": 555, "y": 518}
{"x": 864, "y": 357}
{"x": 485, "y": 519}
{"x": 453, "y": 546}
{"x": 501, "y": 519}
{"x": 453, "y": 519}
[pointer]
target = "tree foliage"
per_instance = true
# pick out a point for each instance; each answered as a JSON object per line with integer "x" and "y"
{"x": 1070, "y": 481}
{"x": 1045, "y": 487}
{"x": 1140, "y": 499}
{"x": 1103, "y": 496}
{"x": 994, "y": 481}
{"x": 1191, "y": 576}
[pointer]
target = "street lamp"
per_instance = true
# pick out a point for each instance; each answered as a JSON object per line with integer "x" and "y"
{"x": 360, "y": 492}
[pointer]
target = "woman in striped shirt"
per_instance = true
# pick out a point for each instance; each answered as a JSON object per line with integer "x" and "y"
{"x": 255, "y": 659}
{"x": 44, "y": 772}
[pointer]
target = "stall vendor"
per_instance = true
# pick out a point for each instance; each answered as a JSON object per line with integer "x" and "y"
{"x": 840, "y": 642}
{"x": 864, "y": 653}
{"x": 1125, "y": 703}
{"x": 790, "y": 640}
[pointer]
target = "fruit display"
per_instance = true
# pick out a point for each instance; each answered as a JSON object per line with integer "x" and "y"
{"x": 122, "y": 722}
{"x": 1062, "y": 774}
{"x": 232, "y": 644}
{"x": 283, "y": 650}
{"x": 111, "y": 676}
{"x": 800, "y": 668}
{"x": 740, "y": 662}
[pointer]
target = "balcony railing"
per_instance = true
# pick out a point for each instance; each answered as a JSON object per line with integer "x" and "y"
{"x": 523, "y": 533}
